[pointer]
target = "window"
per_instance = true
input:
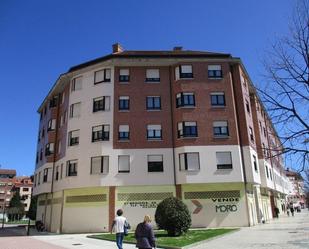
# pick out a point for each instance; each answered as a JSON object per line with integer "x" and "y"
{"x": 155, "y": 163}
{"x": 53, "y": 102}
{"x": 99, "y": 165}
{"x": 224, "y": 160}
{"x": 247, "y": 106}
{"x": 266, "y": 169}
{"x": 264, "y": 130}
{"x": 49, "y": 149}
{"x": 43, "y": 132}
{"x": 102, "y": 76}
{"x": 153, "y": 103}
{"x": 39, "y": 178}
{"x": 26, "y": 189}
{"x": 73, "y": 138}
{"x": 75, "y": 110}
{"x": 76, "y": 84}
{"x": 45, "y": 175}
{"x": 124, "y": 132}
{"x": 124, "y": 75}
{"x": 57, "y": 173}
{"x": 154, "y": 132}
{"x": 124, "y": 103}
{"x": 101, "y": 104}
{"x": 251, "y": 134}
{"x": 41, "y": 154}
{"x": 214, "y": 72}
{"x": 123, "y": 164}
{"x": 59, "y": 147}
{"x": 61, "y": 170}
{"x": 189, "y": 161}
{"x": 51, "y": 125}
{"x": 217, "y": 99}
{"x": 185, "y": 100}
{"x": 152, "y": 75}
{"x": 71, "y": 168}
{"x": 37, "y": 158}
{"x": 187, "y": 129}
{"x": 185, "y": 72}
{"x": 100, "y": 133}
{"x": 63, "y": 98}
{"x": 220, "y": 129}
{"x": 255, "y": 163}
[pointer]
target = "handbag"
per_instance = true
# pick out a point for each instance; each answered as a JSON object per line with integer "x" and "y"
{"x": 126, "y": 228}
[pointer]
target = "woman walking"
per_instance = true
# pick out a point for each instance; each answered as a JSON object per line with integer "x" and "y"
{"x": 144, "y": 234}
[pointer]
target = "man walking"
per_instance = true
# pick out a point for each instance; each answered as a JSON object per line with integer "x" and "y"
{"x": 118, "y": 225}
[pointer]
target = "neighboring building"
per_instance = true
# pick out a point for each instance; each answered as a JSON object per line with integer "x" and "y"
{"x": 24, "y": 186}
{"x": 6, "y": 185}
{"x": 297, "y": 194}
{"x": 131, "y": 128}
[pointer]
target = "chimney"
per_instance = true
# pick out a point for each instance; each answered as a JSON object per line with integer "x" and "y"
{"x": 117, "y": 48}
{"x": 177, "y": 49}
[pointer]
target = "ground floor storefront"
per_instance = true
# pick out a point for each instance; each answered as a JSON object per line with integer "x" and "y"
{"x": 211, "y": 205}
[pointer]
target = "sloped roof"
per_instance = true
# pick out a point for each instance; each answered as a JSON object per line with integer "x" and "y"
{"x": 153, "y": 54}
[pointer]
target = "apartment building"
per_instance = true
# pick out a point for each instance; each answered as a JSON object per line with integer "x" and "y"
{"x": 6, "y": 185}
{"x": 24, "y": 185}
{"x": 131, "y": 128}
{"x": 297, "y": 194}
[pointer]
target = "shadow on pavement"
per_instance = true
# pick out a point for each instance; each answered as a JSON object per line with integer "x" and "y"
{"x": 20, "y": 231}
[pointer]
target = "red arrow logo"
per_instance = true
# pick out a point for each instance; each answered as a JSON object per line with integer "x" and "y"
{"x": 198, "y": 205}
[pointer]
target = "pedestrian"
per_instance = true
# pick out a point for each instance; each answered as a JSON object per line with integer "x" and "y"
{"x": 292, "y": 209}
{"x": 277, "y": 212}
{"x": 118, "y": 225}
{"x": 144, "y": 234}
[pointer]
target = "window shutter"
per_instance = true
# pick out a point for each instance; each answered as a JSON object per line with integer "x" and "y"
{"x": 214, "y": 67}
{"x": 99, "y": 76}
{"x": 124, "y": 163}
{"x": 220, "y": 123}
{"x": 96, "y": 165}
{"x": 224, "y": 158}
{"x": 124, "y": 72}
{"x": 186, "y": 69}
{"x": 193, "y": 161}
{"x": 155, "y": 158}
{"x": 153, "y": 127}
{"x": 152, "y": 73}
{"x": 123, "y": 128}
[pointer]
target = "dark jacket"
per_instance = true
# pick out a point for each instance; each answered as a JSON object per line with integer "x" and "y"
{"x": 144, "y": 236}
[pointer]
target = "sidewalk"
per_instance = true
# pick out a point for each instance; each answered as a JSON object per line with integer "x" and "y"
{"x": 283, "y": 233}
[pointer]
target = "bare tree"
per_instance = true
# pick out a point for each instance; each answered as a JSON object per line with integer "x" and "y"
{"x": 286, "y": 92}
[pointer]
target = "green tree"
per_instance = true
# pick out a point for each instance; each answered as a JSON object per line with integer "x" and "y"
{"x": 16, "y": 209}
{"x": 173, "y": 216}
{"x": 32, "y": 209}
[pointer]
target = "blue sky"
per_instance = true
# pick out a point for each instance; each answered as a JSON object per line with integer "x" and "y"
{"x": 41, "y": 39}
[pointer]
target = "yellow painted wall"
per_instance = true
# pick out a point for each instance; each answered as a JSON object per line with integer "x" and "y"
{"x": 215, "y": 211}
{"x": 85, "y": 216}
{"x": 138, "y": 201}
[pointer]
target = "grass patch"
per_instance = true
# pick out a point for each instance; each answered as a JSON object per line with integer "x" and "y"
{"x": 32, "y": 222}
{"x": 163, "y": 240}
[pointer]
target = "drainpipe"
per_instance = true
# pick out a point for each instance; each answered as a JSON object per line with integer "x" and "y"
{"x": 240, "y": 143}
{"x": 172, "y": 123}
{"x": 54, "y": 162}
